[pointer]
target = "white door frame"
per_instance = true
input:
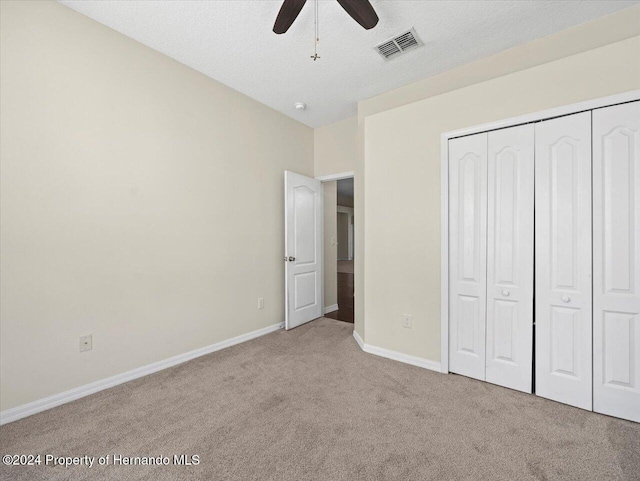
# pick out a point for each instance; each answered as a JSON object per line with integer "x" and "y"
{"x": 631, "y": 96}
{"x": 331, "y": 178}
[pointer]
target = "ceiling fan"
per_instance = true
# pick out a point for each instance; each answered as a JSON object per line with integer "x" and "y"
{"x": 360, "y": 10}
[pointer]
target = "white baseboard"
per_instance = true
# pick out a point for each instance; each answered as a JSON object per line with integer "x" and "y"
{"x": 397, "y": 356}
{"x": 331, "y": 308}
{"x": 49, "y": 402}
{"x": 358, "y": 339}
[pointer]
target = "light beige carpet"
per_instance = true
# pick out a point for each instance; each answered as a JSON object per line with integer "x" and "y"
{"x": 309, "y": 405}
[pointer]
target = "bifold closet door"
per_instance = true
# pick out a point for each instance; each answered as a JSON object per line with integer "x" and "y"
{"x": 563, "y": 307}
{"x": 510, "y": 257}
{"x": 616, "y": 261}
{"x": 467, "y": 254}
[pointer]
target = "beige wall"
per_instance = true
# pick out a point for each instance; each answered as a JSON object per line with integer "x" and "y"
{"x": 330, "y": 236}
{"x": 118, "y": 164}
{"x": 402, "y": 182}
{"x": 336, "y": 150}
{"x": 600, "y": 32}
{"x": 359, "y": 228}
{"x": 141, "y": 202}
{"x": 335, "y": 147}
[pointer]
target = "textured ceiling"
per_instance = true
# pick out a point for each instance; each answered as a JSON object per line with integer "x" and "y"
{"x": 232, "y": 42}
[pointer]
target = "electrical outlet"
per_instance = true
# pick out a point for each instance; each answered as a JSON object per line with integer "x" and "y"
{"x": 407, "y": 321}
{"x": 261, "y": 303}
{"x": 86, "y": 343}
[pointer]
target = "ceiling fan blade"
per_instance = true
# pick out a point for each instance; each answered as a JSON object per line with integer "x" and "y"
{"x": 287, "y": 14}
{"x": 361, "y": 11}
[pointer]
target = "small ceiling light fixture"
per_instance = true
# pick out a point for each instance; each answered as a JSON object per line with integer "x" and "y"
{"x": 300, "y": 106}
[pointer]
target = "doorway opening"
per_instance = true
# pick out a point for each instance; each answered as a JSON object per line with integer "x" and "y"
{"x": 339, "y": 249}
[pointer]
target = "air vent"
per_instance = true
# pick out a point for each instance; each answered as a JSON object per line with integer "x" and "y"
{"x": 396, "y": 46}
{"x": 388, "y": 49}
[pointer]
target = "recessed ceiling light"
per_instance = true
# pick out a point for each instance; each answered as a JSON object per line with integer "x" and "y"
{"x": 300, "y": 106}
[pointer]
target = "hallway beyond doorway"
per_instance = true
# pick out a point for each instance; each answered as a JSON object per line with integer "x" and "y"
{"x": 345, "y": 310}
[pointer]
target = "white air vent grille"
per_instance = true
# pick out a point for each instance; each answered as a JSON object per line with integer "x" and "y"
{"x": 388, "y": 49}
{"x": 399, "y": 44}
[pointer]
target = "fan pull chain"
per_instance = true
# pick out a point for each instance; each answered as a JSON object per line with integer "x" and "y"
{"x": 315, "y": 56}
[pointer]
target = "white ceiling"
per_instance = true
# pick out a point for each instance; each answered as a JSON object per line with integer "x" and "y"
{"x": 232, "y": 42}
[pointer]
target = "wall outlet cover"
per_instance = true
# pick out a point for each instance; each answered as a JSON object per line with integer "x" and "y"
{"x": 86, "y": 343}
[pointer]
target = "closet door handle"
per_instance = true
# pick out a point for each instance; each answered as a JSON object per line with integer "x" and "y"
{"x": 566, "y": 298}
{"x": 505, "y": 293}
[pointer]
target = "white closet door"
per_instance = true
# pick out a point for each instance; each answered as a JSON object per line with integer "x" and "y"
{"x": 510, "y": 258}
{"x": 616, "y": 261}
{"x": 467, "y": 254}
{"x": 563, "y": 260}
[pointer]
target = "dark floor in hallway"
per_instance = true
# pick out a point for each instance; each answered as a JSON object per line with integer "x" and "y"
{"x": 345, "y": 310}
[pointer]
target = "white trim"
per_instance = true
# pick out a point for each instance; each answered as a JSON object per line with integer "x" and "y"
{"x": 330, "y": 177}
{"x": 444, "y": 256}
{"x": 321, "y": 250}
{"x": 630, "y": 96}
{"x": 331, "y": 308}
{"x": 358, "y": 339}
{"x": 49, "y": 402}
{"x": 397, "y": 356}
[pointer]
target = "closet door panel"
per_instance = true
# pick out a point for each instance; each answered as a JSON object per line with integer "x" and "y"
{"x": 563, "y": 300}
{"x": 510, "y": 257}
{"x": 616, "y": 257}
{"x": 467, "y": 254}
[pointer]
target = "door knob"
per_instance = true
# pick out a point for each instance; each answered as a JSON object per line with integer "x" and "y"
{"x": 566, "y": 298}
{"x": 291, "y": 259}
{"x": 505, "y": 293}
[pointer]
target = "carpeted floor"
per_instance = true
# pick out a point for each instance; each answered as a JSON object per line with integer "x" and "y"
{"x": 308, "y": 404}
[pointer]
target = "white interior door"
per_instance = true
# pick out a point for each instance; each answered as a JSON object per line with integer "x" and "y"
{"x": 467, "y": 254}
{"x": 616, "y": 261}
{"x": 303, "y": 249}
{"x": 563, "y": 306}
{"x": 510, "y": 258}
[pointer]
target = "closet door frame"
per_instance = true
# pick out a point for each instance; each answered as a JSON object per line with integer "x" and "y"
{"x": 631, "y": 96}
